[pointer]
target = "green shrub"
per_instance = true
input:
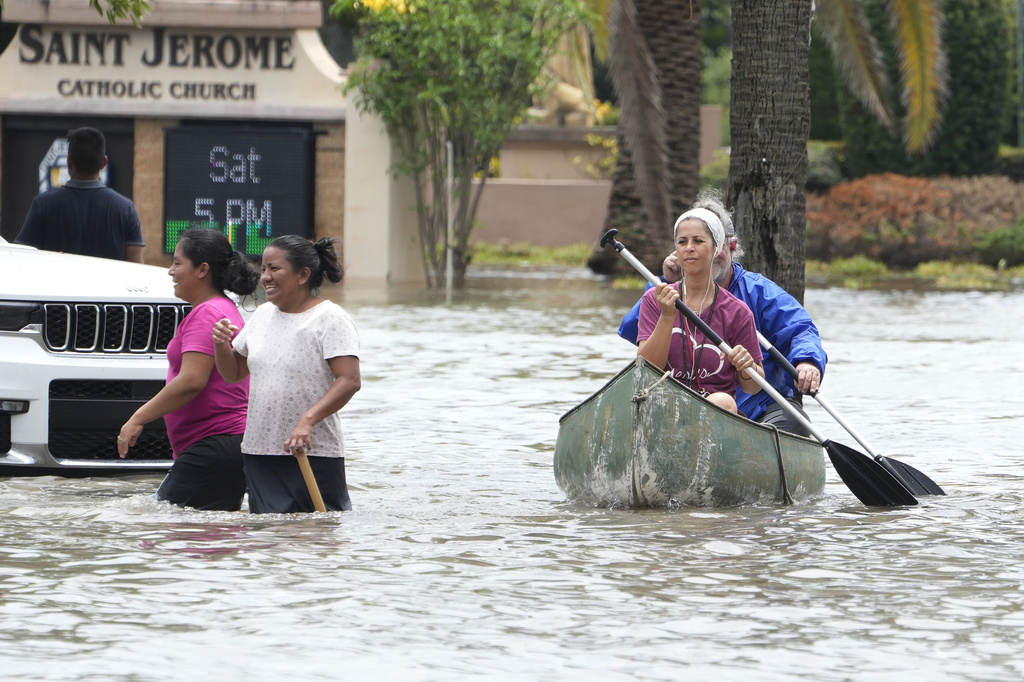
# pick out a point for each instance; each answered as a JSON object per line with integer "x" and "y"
{"x": 1011, "y": 163}
{"x": 859, "y": 266}
{"x": 716, "y": 173}
{"x": 954, "y": 275}
{"x": 522, "y": 253}
{"x": 1002, "y": 247}
{"x": 823, "y": 81}
{"x": 824, "y": 167}
{"x": 451, "y": 70}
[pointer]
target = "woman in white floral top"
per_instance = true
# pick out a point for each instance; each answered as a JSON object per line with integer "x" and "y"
{"x": 301, "y": 353}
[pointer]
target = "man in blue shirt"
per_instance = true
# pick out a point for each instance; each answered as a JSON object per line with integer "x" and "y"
{"x": 777, "y": 315}
{"x": 84, "y": 216}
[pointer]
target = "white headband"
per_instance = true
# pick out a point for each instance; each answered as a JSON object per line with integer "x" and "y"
{"x": 707, "y": 217}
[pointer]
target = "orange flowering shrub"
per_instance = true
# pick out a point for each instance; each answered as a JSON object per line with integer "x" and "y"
{"x": 903, "y": 221}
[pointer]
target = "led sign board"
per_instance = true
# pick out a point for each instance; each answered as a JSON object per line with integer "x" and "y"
{"x": 252, "y": 184}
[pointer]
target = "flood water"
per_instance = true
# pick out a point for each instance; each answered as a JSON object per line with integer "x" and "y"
{"x": 462, "y": 559}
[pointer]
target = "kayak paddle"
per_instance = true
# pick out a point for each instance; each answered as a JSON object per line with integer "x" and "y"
{"x": 869, "y": 481}
{"x": 915, "y": 481}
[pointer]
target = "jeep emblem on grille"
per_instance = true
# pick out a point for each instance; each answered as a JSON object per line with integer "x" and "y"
{"x": 138, "y": 289}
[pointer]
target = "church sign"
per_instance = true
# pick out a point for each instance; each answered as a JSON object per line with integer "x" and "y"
{"x": 170, "y": 72}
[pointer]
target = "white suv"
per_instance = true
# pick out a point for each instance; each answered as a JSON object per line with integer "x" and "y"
{"x": 83, "y": 343}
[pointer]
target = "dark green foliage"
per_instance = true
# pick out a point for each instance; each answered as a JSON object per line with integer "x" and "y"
{"x": 976, "y": 39}
{"x": 1011, "y": 163}
{"x": 824, "y": 100}
{"x": 715, "y": 23}
{"x": 824, "y": 165}
{"x": 1010, "y": 134}
{"x": 1002, "y": 247}
{"x": 604, "y": 90}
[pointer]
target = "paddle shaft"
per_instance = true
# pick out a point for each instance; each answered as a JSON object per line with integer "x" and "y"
{"x": 788, "y": 366}
{"x": 710, "y": 333}
{"x": 311, "y": 486}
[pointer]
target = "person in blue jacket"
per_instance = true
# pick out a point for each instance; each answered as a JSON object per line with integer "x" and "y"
{"x": 777, "y": 315}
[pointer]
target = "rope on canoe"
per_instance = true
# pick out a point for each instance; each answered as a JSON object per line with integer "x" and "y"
{"x": 644, "y": 392}
{"x": 787, "y": 499}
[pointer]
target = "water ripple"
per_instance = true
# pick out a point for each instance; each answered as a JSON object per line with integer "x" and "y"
{"x": 463, "y": 559}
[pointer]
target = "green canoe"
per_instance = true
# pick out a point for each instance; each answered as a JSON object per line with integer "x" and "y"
{"x": 645, "y": 440}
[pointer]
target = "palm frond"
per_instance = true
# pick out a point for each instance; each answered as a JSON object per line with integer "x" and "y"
{"x": 917, "y": 25}
{"x": 601, "y": 27}
{"x": 856, "y": 53}
{"x": 642, "y": 120}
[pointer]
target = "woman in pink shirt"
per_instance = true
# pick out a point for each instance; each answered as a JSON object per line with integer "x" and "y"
{"x": 205, "y": 416}
{"x": 671, "y": 342}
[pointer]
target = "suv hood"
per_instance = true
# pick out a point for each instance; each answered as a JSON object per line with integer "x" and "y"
{"x": 28, "y": 274}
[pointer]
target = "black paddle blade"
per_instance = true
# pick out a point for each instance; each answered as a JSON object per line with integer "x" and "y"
{"x": 915, "y": 481}
{"x": 867, "y": 479}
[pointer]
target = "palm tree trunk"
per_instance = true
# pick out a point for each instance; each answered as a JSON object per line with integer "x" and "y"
{"x": 671, "y": 31}
{"x": 674, "y": 34}
{"x": 769, "y": 125}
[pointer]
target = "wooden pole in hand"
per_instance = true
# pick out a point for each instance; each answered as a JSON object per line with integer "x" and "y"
{"x": 311, "y": 486}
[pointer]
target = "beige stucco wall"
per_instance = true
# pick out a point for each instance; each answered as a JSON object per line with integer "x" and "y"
{"x": 552, "y": 153}
{"x": 542, "y": 212}
{"x": 535, "y": 152}
{"x": 545, "y": 196}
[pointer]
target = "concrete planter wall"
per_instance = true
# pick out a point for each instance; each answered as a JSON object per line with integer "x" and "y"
{"x": 544, "y": 195}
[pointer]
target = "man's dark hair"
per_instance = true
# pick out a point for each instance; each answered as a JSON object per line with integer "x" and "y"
{"x": 87, "y": 149}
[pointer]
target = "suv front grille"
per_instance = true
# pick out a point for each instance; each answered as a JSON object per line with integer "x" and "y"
{"x": 111, "y": 328}
{"x": 86, "y": 416}
{"x": 86, "y": 444}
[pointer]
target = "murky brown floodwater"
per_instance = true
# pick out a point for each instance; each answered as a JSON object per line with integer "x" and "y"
{"x": 462, "y": 559}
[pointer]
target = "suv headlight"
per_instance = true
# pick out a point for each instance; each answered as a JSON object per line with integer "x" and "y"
{"x": 15, "y": 315}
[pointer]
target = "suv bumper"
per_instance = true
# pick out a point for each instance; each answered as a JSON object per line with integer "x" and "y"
{"x": 76, "y": 405}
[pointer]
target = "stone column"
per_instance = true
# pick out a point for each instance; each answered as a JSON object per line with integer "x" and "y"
{"x": 381, "y": 233}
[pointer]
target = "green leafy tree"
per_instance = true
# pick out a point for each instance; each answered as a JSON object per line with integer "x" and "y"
{"x": 462, "y": 71}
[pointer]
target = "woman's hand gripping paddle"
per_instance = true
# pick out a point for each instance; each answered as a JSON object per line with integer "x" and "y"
{"x": 872, "y": 483}
{"x": 915, "y": 481}
{"x": 307, "y": 476}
